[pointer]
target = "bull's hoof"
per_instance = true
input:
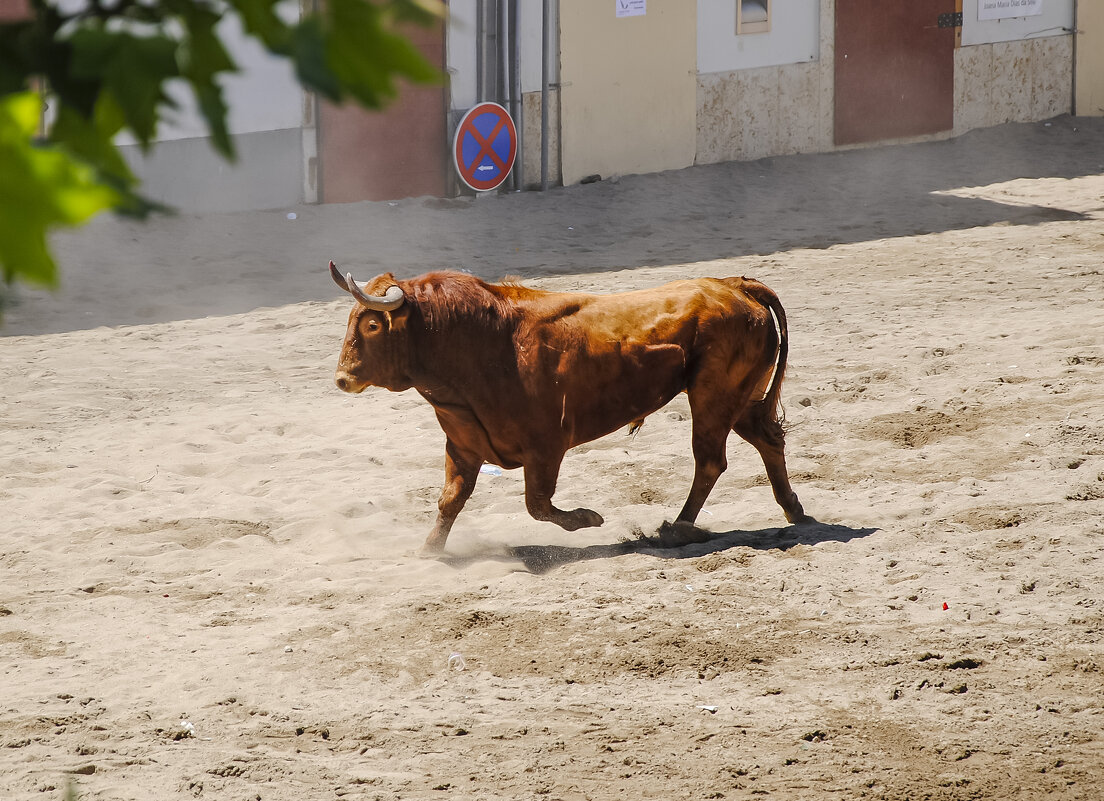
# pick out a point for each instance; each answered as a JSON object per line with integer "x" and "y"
{"x": 796, "y": 514}
{"x": 569, "y": 521}
{"x": 679, "y": 533}
{"x": 584, "y": 518}
{"x": 430, "y": 551}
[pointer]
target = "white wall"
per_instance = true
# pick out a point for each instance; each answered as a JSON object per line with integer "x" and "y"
{"x": 263, "y": 95}
{"x": 529, "y": 25}
{"x": 1056, "y": 19}
{"x": 794, "y": 36}
{"x": 461, "y": 48}
{"x": 460, "y": 52}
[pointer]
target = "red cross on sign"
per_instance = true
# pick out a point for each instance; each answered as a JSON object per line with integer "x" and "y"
{"x": 485, "y": 146}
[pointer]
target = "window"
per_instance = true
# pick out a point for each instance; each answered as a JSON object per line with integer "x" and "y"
{"x": 752, "y": 16}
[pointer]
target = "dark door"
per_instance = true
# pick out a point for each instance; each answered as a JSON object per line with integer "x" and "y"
{"x": 894, "y": 69}
{"x": 395, "y": 153}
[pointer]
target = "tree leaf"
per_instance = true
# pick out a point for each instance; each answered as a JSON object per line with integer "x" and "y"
{"x": 260, "y": 19}
{"x": 308, "y": 52}
{"x": 40, "y": 186}
{"x": 132, "y": 68}
{"x": 106, "y": 66}
{"x": 202, "y": 59}
{"x": 366, "y": 53}
{"x": 92, "y": 141}
{"x": 209, "y": 97}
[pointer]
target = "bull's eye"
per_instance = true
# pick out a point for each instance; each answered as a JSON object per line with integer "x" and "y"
{"x": 373, "y": 325}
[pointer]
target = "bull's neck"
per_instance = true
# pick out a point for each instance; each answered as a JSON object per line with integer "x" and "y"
{"x": 462, "y": 361}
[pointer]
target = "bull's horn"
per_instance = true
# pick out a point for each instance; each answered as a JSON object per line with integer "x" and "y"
{"x": 338, "y": 278}
{"x": 389, "y": 301}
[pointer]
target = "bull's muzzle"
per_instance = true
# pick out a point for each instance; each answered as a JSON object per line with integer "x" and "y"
{"x": 346, "y": 383}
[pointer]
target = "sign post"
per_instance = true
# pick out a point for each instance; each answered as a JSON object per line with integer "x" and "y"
{"x": 485, "y": 146}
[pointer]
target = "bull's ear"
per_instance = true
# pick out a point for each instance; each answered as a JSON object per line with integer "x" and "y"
{"x": 396, "y": 320}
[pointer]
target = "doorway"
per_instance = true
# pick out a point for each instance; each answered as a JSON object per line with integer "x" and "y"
{"x": 894, "y": 69}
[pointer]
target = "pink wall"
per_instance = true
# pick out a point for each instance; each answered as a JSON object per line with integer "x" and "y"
{"x": 396, "y": 153}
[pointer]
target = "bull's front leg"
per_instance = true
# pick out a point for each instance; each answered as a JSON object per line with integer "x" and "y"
{"x": 461, "y": 472}
{"x": 540, "y": 486}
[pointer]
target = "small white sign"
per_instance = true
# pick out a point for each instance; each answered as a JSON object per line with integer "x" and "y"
{"x": 1003, "y": 9}
{"x": 631, "y": 8}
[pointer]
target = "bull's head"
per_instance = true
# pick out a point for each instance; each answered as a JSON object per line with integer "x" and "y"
{"x": 374, "y": 350}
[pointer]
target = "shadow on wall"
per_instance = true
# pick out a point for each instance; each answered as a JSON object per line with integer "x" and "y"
{"x": 118, "y": 272}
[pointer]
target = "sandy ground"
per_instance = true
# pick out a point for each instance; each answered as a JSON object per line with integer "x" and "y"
{"x": 208, "y": 585}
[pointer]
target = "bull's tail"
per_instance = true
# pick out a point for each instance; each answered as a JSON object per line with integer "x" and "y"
{"x": 764, "y": 295}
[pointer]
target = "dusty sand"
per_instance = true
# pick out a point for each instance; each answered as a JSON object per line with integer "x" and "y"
{"x": 196, "y": 525}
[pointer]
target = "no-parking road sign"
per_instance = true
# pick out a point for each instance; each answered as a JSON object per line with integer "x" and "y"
{"x": 485, "y": 146}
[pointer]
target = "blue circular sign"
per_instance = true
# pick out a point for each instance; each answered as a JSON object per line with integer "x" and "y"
{"x": 485, "y": 146}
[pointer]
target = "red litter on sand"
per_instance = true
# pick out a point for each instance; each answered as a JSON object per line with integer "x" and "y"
{"x": 944, "y": 606}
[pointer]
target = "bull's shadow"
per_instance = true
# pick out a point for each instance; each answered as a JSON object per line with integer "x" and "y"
{"x": 539, "y": 559}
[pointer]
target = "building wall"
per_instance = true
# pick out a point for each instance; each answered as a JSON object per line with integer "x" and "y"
{"x": 778, "y": 110}
{"x": 1056, "y": 19}
{"x": 772, "y": 110}
{"x": 189, "y": 176}
{"x": 641, "y": 94}
{"x": 11, "y": 10}
{"x": 628, "y": 88}
{"x": 461, "y": 49}
{"x": 263, "y": 96}
{"x": 1089, "y": 69}
{"x": 460, "y": 54}
{"x": 1018, "y": 69}
{"x": 794, "y": 36}
{"x": 396, "y": 152}
{"x": 761, "y": 93}
{"x": 1016, "y": 81}
{"x": 531, "y": 139}
{"x": 271, "y": 126}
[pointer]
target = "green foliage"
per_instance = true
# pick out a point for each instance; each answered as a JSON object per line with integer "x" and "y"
{"x": 39, "y": 187}
{"x": 104, "y": 68}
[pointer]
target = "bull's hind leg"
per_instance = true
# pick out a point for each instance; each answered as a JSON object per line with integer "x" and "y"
{"x": 759, "y": 426}
{"x": 540, "y": 486}
{"x": 709, "y": 438}
{"x": 712, "y": 410}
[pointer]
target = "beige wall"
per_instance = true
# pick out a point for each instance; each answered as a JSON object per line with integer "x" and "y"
{"x": 628, "y": 88}
{"x": 1089, "y": 70}
{"x": 770, "y": 111}
{"x": 1019, "y": 81}
{"x": 531, "y": 138}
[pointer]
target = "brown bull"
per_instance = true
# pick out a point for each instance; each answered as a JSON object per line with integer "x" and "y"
{"x": 518, "y": 376}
